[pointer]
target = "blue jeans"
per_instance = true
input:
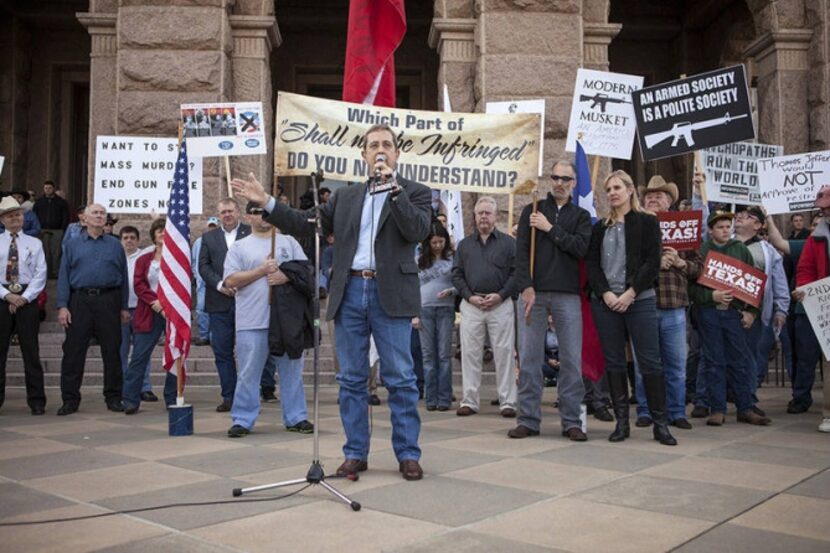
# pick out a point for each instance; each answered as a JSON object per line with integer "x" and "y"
{"x": 145, "y": 342}
{"x": 754, "y": 336}
{"x": 360, "y": 315}
{"x": 809, "y": 354}
{"x": 672, "y": 329}
{"x": 417, "y": 359}
{"x": 221, "y": 340}
{"x": 126, "y": 338}
{"x": 436, "y": 349}
{"x": 202, "y": 318}
{"x": 765, "y": 346}
{"x": 727, "y": 356}
{"x": 252, "y": 352}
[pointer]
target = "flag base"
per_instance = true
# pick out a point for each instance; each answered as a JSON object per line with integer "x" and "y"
{"x": 180, "y": 420}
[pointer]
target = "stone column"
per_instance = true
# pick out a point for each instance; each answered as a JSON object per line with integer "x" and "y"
{"x": 103, "y": 93}
{"x": 454, "y": 38}
{"x": 254, "y": 36}
{"x": 782, "y": 70}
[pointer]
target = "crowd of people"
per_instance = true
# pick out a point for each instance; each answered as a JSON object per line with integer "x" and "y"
{"x": 396, "y": 283}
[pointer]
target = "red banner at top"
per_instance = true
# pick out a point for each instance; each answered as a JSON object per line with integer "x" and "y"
{"x": 681, "y": 230}
{"x": 722, "y": 272}
{"x": 376, "y": 29}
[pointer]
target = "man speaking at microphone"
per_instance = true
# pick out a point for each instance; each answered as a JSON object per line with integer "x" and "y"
{"x": 374, "y": 291}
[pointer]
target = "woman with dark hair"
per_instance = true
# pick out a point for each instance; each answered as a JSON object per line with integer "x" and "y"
{"x": 623, "y": 263}
{"x": 148, "y": 323}
{"x": 437, "y": 316}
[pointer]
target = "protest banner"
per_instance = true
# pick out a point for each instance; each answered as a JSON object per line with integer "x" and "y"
{"x": 732, "y": 171}
{"x": 790, "y": 183}
{"x": 133, "y": 174}
{"x": 470, "y": 152}
{"x": 524, "y": 106}
{"x": 701, "y": 111}
{"x": 816, "y": 303}
{"x": 723, "y": 272}
{"x": 602, "y": 115}
{"x": 224, "y": 129}
{"x": 681, "y": 229}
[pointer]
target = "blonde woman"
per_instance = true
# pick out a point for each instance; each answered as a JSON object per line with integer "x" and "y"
{"x": 623, "y": 263}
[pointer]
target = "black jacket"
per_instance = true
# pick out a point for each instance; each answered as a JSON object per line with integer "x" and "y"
{"x": 212, "y": 267}
{"x": 292, "y": 320}
{"x": 642, "y": 254}
{"x": 557, "y": 252}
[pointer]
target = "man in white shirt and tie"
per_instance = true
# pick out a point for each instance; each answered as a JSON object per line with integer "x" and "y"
{"x": 22, "y": 278}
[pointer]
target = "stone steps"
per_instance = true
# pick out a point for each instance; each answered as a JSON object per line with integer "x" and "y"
{"x": 201, "y": 366}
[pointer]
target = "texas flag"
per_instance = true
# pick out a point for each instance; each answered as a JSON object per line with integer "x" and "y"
{"x": 583, "y": 192}
{"x": 376, "y": 29}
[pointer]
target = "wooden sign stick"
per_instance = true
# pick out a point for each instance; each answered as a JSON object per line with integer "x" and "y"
{"x": 228, "y": 175}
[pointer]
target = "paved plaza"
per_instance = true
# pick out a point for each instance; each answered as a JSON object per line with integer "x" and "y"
{"x": 736, "y": 488}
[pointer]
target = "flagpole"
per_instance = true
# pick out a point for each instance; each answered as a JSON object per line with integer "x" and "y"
{"x": 179, "y": 371}
{"x": 228, "y": 175}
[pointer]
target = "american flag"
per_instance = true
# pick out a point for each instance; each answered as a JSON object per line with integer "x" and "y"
{"x": 174, "y": 282}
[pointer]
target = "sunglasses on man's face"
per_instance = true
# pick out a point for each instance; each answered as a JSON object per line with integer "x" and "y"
{"x": 256, "y": 211}
{"x": 561, "y": 178}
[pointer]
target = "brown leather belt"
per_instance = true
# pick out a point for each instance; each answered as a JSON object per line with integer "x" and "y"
{"x": 365, "y": 273}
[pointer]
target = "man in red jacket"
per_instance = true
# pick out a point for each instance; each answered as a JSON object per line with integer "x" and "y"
{"x": 813, "y": 265}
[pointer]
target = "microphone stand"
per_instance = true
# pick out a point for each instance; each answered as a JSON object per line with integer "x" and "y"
{"x": 316, "y": 475}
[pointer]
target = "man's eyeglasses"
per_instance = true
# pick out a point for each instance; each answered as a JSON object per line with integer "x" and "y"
{"x": 561, "y": 178}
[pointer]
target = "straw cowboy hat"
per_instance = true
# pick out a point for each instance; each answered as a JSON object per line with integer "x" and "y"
{"x": 659, "y": 184}
{"x": 9, "y": 204}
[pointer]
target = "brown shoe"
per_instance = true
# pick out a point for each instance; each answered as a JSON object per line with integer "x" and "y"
{"x": 716, "y": 419}
{"x": 508, "y": 413}
{"x": 521, "y": 431}
{"x": 351, "y": 467}
{"x": 575, "y": 434}
{"x": 411, "y": 470}
{"x": 465, "y": 411}
{"x": 224, "y": 407}
{"x": 751, "y": 417}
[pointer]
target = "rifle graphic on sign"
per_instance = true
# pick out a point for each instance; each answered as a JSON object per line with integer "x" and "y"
{"x": 684, "y": 130}
{"x": 602, "y": 99}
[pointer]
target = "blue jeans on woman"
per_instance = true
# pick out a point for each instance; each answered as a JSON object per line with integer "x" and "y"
{"x": 143, "y": 347}
{"x": 436, "y": 348}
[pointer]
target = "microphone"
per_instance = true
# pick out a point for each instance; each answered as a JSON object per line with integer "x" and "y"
{"x": 380, "y": 158}
{"x": 377, "y": 186}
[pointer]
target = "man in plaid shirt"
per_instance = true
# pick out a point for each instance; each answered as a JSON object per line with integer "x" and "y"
{"x": 677, "y": 270}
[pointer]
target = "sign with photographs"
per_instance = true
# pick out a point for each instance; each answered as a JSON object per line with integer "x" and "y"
{"x": 702, "y": 111}
{"x": 602, "y": 116}
{"x": 723, "y": 272}
{"x": 470, "y": 152}
{"x": 681, "y": 229}
{"x": 224, "y": 129}
{"x": 816, "y": 303}
{"x": 732, "y": 171}
{"x": 524, "y": 106}
{"x": 133, "y": 174}
{"x": 790, "y": 183}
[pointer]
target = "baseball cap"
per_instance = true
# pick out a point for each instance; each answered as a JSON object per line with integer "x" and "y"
{"x": 213, "y": 221}
{"x": 717, "y": 215}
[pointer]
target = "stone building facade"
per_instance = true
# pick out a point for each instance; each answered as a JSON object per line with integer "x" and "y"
{"x": 71, "y": 69}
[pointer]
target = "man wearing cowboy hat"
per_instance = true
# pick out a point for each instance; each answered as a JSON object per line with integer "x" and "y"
{"x": 22, "y": 278}
{"x": 677, "y": 270}
{"x": 31, "y": 225}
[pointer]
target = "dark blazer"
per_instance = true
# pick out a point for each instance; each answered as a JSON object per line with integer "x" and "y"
{"x": 403, "y": 223}
{"x": 212, "y": 267}
{"x": 642, "y": 253}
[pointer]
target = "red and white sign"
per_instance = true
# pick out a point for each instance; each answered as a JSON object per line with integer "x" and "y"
{"x": 722, "y": 272}
{"x": 681, "y": 229}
